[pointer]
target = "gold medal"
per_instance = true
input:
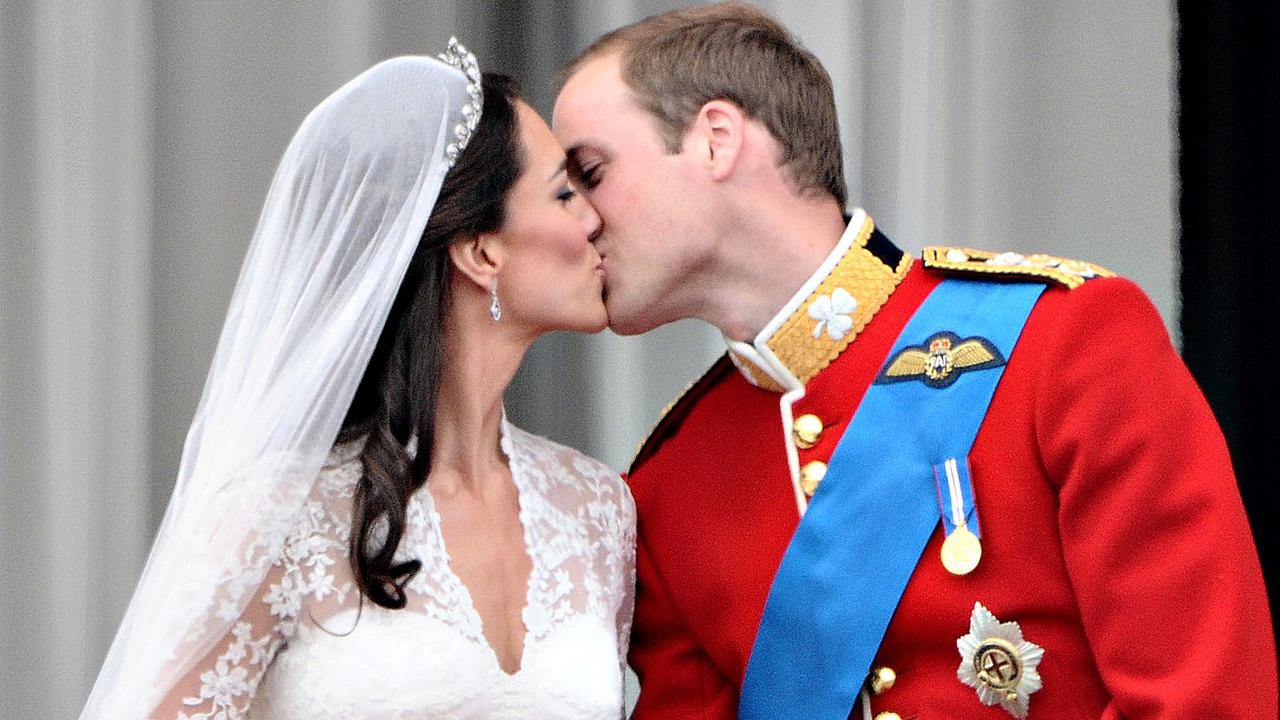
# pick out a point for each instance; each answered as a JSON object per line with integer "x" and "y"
{"x": 961, "y": 551}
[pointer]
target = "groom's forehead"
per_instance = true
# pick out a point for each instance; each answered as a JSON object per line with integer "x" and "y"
{"x": 595, "y": 111}
{"x": 596, "y": 86}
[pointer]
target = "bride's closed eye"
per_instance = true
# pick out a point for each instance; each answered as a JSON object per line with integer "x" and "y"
{"x": 565, "y": 195}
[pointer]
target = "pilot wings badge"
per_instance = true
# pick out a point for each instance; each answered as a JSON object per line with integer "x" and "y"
{"x": 940, "y": 360}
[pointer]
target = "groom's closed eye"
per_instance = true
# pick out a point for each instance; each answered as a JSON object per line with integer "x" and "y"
{"x": 583, "y": 172}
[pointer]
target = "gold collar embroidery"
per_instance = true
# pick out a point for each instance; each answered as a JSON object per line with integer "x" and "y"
{"x": 824, "y": 316}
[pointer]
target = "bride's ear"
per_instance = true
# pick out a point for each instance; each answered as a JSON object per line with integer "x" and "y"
{"x": 478, "y": 258}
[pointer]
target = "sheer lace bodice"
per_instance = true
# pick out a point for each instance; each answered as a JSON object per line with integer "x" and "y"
{"x": 309, "y": 648}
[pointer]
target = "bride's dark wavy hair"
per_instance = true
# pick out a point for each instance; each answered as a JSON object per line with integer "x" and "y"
{"x": 396, "y": 398}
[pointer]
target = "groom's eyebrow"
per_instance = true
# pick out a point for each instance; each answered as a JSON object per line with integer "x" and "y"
{"x": 576, "y": 150}
{"x": 573, "y": 164}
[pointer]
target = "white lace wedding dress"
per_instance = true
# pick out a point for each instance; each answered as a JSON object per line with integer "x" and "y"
{"x": 308, "y": 648}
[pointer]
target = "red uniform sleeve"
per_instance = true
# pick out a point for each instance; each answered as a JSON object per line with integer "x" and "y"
{"x": 1157, "y": 545}
{"x": 677, "y": 679}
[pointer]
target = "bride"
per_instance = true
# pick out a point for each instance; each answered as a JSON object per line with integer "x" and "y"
{"x": 356, "y": 529}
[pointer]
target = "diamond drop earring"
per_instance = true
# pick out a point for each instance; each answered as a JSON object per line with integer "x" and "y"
{"x": 495, "y": 310}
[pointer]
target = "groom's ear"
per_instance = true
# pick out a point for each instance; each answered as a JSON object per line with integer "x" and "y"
{"x": 721, "y": 129}
{"x": 478, "y": 258}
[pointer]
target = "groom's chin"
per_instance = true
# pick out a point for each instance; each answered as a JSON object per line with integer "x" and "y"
{"x": 624, "y": 330}
{"x": 621, "y": 323}
{"x": 628, "y": 318}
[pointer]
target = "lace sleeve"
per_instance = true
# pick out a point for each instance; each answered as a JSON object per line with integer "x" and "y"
{"x": 223, "y": 684}
{"x": 626, "y": 549}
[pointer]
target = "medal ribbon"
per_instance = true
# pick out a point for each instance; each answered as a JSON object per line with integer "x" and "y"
{"x": 955, "y": 495}
{"x": 857, "y": 546}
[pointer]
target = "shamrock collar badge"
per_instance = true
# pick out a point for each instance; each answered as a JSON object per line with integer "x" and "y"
{"x": 996, "y": 661}
{"x": 835, "y": 313}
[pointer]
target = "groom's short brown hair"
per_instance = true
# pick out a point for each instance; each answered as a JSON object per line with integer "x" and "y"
{"x": 677, "y": 61}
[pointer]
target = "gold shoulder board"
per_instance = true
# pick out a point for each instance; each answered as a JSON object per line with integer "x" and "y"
{"x": 984, "y": 263}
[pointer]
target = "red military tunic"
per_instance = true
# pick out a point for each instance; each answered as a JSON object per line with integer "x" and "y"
{"x": 1112, "y": 529}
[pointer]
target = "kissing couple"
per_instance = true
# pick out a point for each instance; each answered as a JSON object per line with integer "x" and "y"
{"x": 912, "y": 487}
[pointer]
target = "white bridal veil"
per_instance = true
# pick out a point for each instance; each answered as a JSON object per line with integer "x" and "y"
{"x": 341, "y": 221}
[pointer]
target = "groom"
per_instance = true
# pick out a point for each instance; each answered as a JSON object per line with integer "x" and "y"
{"x": 969, "y": 485}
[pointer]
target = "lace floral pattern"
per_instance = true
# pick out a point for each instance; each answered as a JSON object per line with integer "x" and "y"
{"x": 225, "y": 689}
{"x": 309, "y": 647}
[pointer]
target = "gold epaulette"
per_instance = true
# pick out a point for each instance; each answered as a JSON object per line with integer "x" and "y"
{"x": 1014, "y": 266}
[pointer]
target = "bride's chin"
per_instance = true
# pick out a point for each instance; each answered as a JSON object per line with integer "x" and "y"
{"x": 601, "y": 321}
{"x": 590, "y": 320}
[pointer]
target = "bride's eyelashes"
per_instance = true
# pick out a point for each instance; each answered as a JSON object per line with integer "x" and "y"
{"x": 565, "y": 195}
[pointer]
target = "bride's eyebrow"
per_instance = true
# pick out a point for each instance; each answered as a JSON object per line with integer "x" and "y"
{"x": 564, "y": 164}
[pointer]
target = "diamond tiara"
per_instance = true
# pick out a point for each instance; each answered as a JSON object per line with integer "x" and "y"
{"x": 457, "y": 55}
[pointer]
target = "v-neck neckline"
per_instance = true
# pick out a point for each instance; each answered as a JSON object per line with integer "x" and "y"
{"x": 464, "y": 592}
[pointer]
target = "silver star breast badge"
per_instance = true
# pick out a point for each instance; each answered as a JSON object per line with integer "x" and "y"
{"x": 996, "y": 661}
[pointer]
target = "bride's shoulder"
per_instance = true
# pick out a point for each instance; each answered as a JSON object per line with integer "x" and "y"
{"x": 345, "y": 454}
{"x": 341, "y": 470}
{"x": 571, "y": 464}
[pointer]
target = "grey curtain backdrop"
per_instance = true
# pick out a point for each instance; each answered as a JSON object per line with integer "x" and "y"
{"x": 137, "y": 139}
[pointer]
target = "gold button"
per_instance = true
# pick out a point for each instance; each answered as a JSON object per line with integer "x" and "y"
{"x": 888, "y": 716}
{"x": 806, "y": 430}
{"x": 881, "y": 679}
{"x": 810, "y": 475}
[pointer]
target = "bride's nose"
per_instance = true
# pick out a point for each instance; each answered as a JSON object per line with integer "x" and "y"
{"x": 589, "y": 217}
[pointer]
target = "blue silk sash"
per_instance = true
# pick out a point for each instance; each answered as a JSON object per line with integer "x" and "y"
{"x": 875, "y": 510}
